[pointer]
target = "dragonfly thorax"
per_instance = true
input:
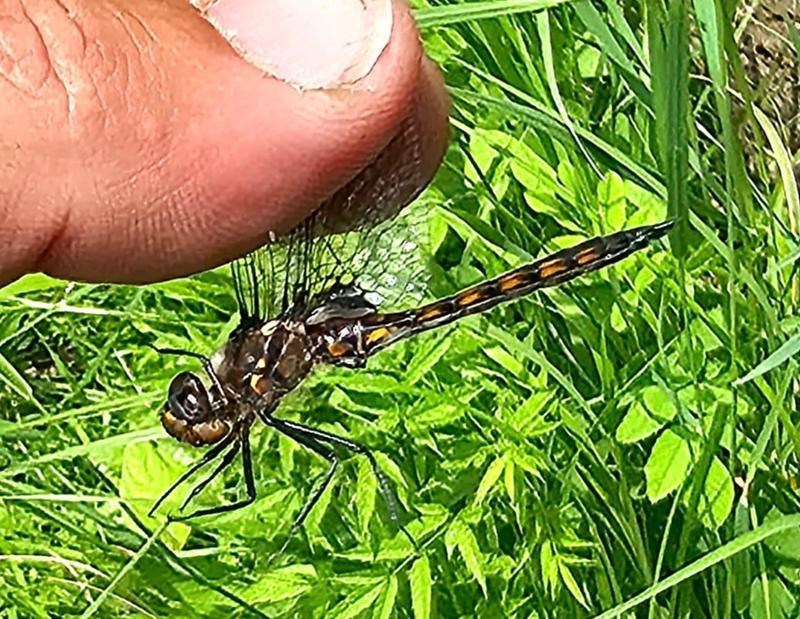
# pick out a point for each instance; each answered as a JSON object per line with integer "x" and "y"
{"x": 262, "y": 364}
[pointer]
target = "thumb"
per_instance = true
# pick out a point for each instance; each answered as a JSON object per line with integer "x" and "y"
{"x": 138, "y": 145}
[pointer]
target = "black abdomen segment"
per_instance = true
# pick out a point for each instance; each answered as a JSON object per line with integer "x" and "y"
{"x": 380, "y": 330}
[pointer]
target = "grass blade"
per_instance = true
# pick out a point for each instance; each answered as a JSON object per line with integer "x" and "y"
{"x": 789, "y": 348}
{"x": 731, "y": 549}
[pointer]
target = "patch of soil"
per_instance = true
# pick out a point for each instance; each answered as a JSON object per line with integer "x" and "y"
{"x": 770, "y": 59}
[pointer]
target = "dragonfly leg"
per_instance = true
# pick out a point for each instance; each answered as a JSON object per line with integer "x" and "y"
{"x": 320, "y": 449}
{"x": 210, "y": 455}
{"x": 223, "y": 464}
{"x": 333, "y": 439}
{"x": 249, "y": 480}
{"x": 178, "y": 352}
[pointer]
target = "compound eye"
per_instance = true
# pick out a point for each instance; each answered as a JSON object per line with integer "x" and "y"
{"x": 188, "y": 399}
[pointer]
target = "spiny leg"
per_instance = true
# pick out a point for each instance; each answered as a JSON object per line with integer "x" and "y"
{"x": 210, "y": 455}
{"x": 315, "y": 496}
{"x": 383, "y": 483}
{"x": 323, "y": 451}
{"x": 223, "y": 464}
{"x": 249, "y": 481}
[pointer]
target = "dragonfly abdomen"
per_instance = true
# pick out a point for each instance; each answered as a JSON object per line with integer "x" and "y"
{"x": 555, "y": 269}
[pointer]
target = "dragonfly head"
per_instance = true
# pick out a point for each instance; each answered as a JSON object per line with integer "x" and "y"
{"x": 189, "y": 415}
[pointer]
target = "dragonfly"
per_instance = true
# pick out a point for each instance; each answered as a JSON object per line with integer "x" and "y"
{"x": 301, "y": 307}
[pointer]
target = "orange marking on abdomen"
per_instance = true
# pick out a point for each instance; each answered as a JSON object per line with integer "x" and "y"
{"x": 586, "y": 256}
{"x": 511, "y": 282}
{"x": 377, "y": 335}
{"x": 430, "y": 314}
{"x": 469, "y": 298}
{"x": 551, "y": 268}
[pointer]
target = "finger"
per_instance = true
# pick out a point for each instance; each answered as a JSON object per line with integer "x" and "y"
{"x": 138, "y": 146}
{"x": 404, "y": 167}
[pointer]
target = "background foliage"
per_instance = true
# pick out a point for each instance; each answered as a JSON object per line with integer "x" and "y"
{"x": 626, "y": 444}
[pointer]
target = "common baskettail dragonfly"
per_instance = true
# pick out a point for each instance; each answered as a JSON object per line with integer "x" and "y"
{"x": 293, "y": 318}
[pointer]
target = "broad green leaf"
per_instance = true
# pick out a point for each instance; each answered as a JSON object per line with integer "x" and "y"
{"x": 357, "y": 603}
{"x": 618, "y": 322}
{"x": 571, "y": 584}
{"x": 776, "y": 602}
{"x": 611, "y": 193}
{"x": 549, "y": 562}
{"x": 505, "y": 360}
{"x": 652, "y": 409}
{"x": 636, "y": 425}
{"x": 785, "y": 545}
{"x": 438, "y": 415}
{"x": 34, "y": 282}
{"x": 284, "y": 583}
{"x": 717, "y": 498}
{"x": 490, "y": 477}
{"x": 667, "y": 466}
{"x": 420, "y": 581}
{"x": 460, "y": 536}
{"x": 658, "y": 403}
{"x": 147, "y": 471}
{"x": 10, "y": 376}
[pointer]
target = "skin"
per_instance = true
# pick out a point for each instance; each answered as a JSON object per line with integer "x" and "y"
{"x": 137, "y": 146}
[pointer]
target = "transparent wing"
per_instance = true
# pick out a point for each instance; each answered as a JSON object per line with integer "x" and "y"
{"x": 344, "y": 242}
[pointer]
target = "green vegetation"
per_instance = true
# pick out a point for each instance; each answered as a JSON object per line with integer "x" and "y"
{"x": 627, "y": 444}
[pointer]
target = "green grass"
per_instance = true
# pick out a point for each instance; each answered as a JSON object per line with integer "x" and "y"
{"x": 627, "y": 445}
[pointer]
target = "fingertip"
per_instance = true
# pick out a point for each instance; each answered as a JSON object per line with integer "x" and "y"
{"x": 313, "y": 43}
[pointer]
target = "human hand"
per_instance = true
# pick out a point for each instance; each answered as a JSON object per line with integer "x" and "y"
{"x": 136, "y": 145}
